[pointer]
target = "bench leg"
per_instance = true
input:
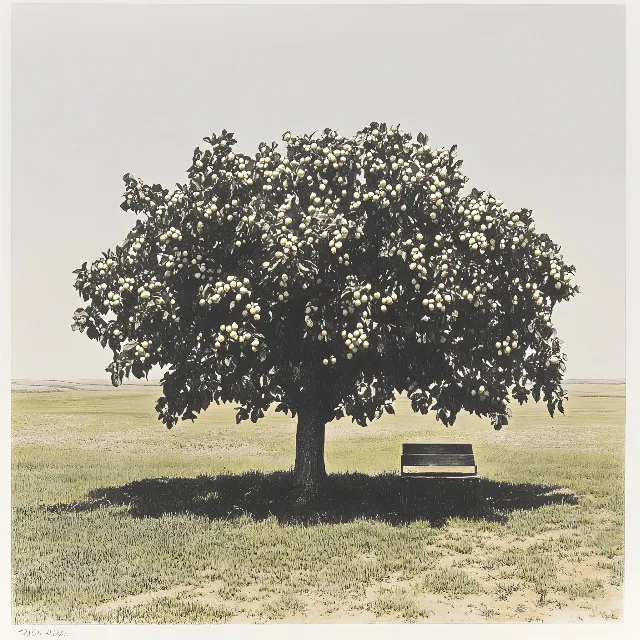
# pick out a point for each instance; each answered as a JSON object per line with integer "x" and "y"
{"x": 406, "y": 493}
{"x": 474, "y": 511}
{"x": 470, "y": 495}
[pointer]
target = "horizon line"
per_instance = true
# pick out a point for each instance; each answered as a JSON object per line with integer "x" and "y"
{"x": 157, "y": 380}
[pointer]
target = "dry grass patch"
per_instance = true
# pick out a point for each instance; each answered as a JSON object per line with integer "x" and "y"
{"x": 398, "y": 603}
{"x": 452, "y": 582}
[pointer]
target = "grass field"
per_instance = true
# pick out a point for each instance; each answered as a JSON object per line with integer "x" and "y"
{"x": 117, "y": 519}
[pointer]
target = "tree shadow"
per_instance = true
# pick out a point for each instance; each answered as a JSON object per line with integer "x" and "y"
{"x": 348, "y": 496}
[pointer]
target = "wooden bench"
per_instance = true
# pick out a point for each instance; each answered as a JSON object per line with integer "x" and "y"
{"x": 423, "y": 462}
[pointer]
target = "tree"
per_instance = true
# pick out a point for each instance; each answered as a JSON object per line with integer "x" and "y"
{"x": 327, "y": 280}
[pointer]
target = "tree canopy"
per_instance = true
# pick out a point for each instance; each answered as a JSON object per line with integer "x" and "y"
{"x": 350, "y": 268}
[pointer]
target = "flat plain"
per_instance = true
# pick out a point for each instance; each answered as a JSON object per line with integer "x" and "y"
{"x": 117, "y": 519}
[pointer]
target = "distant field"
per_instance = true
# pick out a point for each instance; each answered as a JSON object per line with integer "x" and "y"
{"x": 35, "y": 386}
{"x": 38, "y": 386}
{"x": 117, "y": 519}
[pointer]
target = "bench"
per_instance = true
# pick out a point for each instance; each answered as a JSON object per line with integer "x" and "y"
{"x": 424, "y": 462}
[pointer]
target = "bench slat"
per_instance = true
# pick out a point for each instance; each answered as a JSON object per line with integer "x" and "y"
{"x": 438, "y": 459}
{"x": 440, "y": 474}
{"x": 410, "y": 448}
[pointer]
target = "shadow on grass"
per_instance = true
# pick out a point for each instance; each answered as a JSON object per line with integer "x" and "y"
{"x": 348, "y": 496}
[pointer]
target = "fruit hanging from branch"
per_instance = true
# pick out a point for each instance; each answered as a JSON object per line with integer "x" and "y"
{"x": 327, "y": 279}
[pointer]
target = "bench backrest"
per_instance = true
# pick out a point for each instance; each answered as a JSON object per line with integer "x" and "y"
{"x": 438, "y": 455}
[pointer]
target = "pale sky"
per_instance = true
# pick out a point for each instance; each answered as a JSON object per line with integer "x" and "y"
{"x": 534, "y": 97}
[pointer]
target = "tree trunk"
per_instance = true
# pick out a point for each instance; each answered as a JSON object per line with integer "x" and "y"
{"x": 309, "y": 472}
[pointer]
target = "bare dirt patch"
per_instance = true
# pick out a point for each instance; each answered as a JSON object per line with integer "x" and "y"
{"x": 150, "y": 596}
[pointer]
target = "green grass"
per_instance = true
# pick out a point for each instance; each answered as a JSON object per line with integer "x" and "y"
{"x": 170, "y": 610}
{"x": 142, "y": 510}
{"x": 616, "y": 570}
{"x": 282, "y": 606}
{"x": 587, "y": 588}
{"x": 398, "y": 603}
{"x": 536, "y": 568}
{"x": 451, "y": 582}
